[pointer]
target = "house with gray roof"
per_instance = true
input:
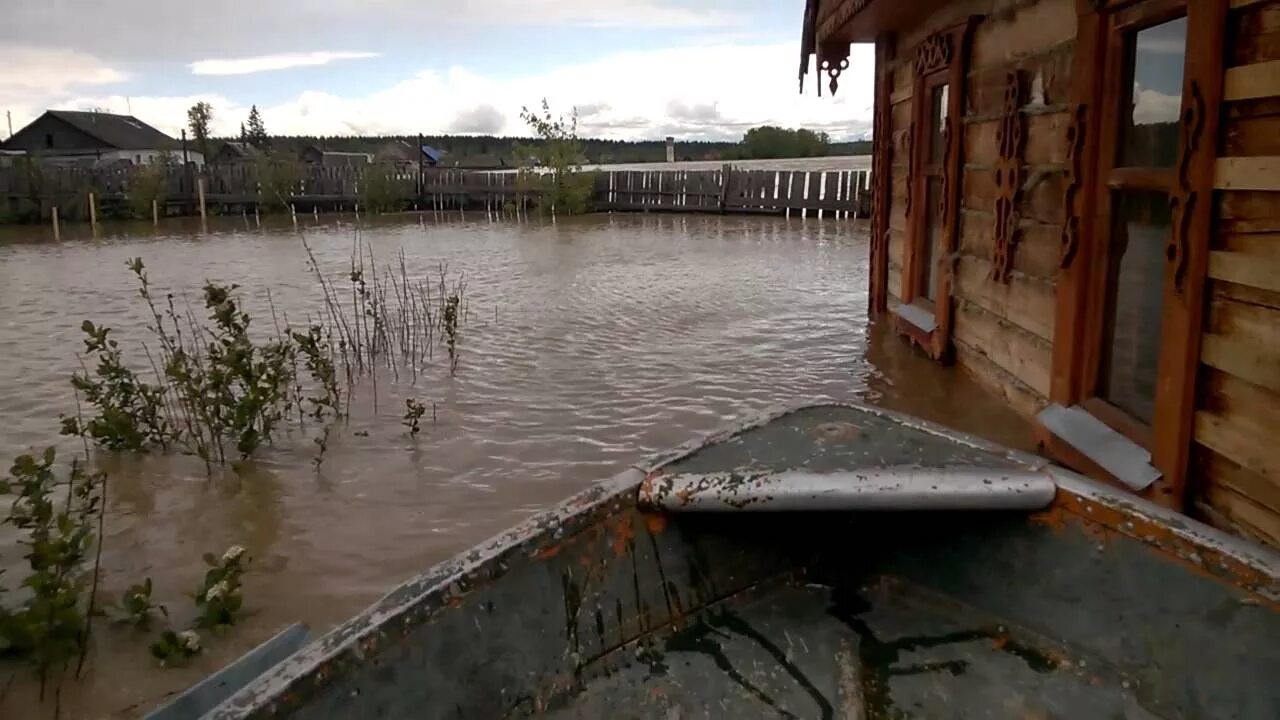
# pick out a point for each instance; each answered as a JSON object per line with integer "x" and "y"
{"x": 94, "y": 138}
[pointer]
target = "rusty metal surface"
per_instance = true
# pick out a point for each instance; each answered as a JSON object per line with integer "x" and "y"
{"x": 889, "y": 488}
{"x": 292, "y": 687}
{"x": 1248, "y": 565}
{"x": 1095, "y": 607}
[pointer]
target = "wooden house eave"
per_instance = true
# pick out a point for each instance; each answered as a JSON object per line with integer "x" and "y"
{"x": 850, "y": 21}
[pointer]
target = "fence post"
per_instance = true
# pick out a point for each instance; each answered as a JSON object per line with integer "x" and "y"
{"x": 725, "y": 172}
{"x": 93, "y": 213}
{"x": 155, "y": 213}
{"x": 57, "y": 235}
{"x": 204, "y": 218}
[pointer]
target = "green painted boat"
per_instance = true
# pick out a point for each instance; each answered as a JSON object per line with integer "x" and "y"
{"x": 830, "y": 561}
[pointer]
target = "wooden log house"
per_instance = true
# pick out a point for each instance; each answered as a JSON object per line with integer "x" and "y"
{"x": 1078, "y": 202}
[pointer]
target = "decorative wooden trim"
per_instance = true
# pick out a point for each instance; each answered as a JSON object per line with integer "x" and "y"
{"x": 942, "y": 58}
{"x": 1077, "y": 134}
{"x": 1260, "y": 80}
{"x": 882, "y": 178}
{"x": 836, "y": 18}
{"x": 907, "y": 148}
{"x": 1011, "y": 138}
{"x": 833, "y": 59}
{"x": 1184, "y": 310}
{"x": 934, "y": 53}
{"x": 1080, "y": 213}
{"x": 1247, "y": 173}
{"x": 1182, "y": 201}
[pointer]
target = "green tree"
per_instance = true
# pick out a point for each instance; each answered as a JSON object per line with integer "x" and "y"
{"x": 562, "y": 185}
{"x": 149, "y": 184}
{"x": 769, "y": 141}
{"x": 256, "y": 131}
{"x": 280, "y": 178}
{"x": 198, "y": 118}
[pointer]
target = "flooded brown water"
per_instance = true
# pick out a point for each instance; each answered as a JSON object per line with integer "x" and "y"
{"x": 588, "y": 344}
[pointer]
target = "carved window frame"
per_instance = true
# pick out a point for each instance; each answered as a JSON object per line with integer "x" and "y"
{"x": 941, "y": 59}
{"x": 1099, "y": 75}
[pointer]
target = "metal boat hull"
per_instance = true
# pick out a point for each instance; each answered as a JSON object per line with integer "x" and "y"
{"x": 1098, "y": 605}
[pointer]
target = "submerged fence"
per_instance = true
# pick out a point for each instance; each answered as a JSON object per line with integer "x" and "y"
{"x": 843, "y": 192}
{"x": 31, "y": 192}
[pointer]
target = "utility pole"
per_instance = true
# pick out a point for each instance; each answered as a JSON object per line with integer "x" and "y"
{"x": 9, "y": 117}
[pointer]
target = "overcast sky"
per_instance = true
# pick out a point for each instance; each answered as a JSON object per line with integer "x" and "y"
{"x": 696, "y": 69}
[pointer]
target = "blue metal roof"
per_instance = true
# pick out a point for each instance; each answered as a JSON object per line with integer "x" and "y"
{"x": 432, "y": 154}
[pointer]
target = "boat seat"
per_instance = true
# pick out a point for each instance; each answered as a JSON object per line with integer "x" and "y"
{"x": 848, "y": 458}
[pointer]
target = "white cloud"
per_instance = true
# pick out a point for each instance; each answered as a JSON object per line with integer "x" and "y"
{"x": 1151, "y": 106}
{"x": 598, "y": 13}
{"x": 32, "y": 78}
{"x": 712, "y": 92}
{"x": 264, "y": 63}
{"x": 154, "y": 31}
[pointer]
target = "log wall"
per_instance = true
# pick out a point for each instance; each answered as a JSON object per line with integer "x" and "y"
{"x": 1003, "y": 327}
{"x": 1005, "y": 282}
{"x": 1235, "y": 460}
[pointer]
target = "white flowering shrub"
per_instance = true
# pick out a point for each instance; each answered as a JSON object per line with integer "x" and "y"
{"x": 218, "y": 598}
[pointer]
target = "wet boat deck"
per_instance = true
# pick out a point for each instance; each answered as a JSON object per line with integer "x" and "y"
{"x": 812, "y": 651}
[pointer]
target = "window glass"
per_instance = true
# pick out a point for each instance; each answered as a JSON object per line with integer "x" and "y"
{"x": 1135, "y": 301}
{"x": 1149, "y": 135}
{"x": 938, "y": 124}
{"x": 931, "y": 248}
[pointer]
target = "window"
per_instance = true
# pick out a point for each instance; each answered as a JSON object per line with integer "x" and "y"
{"x": 1130, "y": 351}
{"x": 933, "y": 185}
{"x": 48, "y": 140}
{"x": 1138, "y": 178}
{"x": 929, "y": 247}
{"x": 1128, "y": 321}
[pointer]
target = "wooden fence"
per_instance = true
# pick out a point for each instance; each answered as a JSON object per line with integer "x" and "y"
{"x": 840, "y": 192}
{"x": 29, "y": 191}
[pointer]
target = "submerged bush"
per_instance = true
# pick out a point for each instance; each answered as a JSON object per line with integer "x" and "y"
{"x": 381, "y": 190}
{"x": 58, "y": 516}
{"x": 216, "y": 385}
{"x": 221, "y": 393}
{"x": 553, "y": 171}
{"x": 218, "y": 597}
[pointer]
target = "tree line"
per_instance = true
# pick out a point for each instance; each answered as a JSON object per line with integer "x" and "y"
{"x": 763, "y": 142}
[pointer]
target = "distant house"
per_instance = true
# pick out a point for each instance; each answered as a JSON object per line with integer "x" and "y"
{"x": 403, "y": 154}
{"x": 313, "y": 155}
{"x": 232, "y": 152}
{"x": 479, "y": 162}
{"x": 93, "y": 138}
